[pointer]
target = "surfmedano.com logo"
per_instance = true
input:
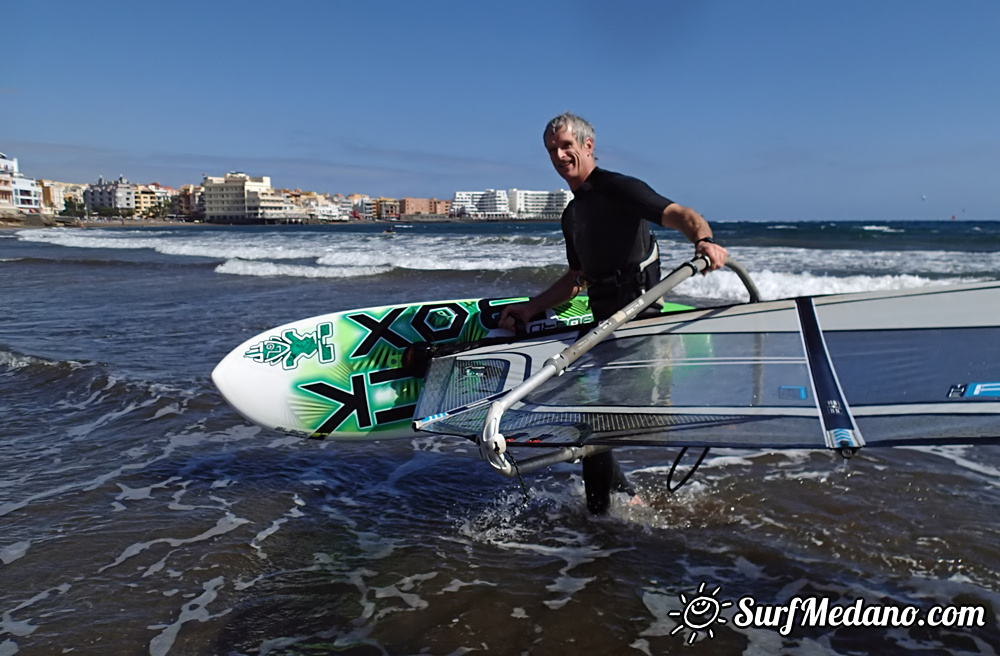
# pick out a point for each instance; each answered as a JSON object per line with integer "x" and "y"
{"x": 702, "y": 611}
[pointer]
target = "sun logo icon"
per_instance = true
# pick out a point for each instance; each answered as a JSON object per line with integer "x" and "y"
{"x": 700, "y": 613}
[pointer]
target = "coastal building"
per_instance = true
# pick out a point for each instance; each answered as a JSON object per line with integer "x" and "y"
{"x": 414, "y": 205}
{"x": 526, "y": 204}
{"x": 114, "y": 194}
{"x": 344, "y": 203}
{"x": 8, "y": 165}
{"x": 240, "y": 198}
{"x": 17, "y": 191}
{"x": 362, "y": 207}
{"x": 491, "y": 204}
{"x": 324, "y": 212}
{"x": 7, "y": 168}
{"x": 190, "y": 202}
{"x": 53, "y": 196}
{"x": 423, "y": 207}
{"x": 56, "y": 194}
{"x": 497, "y": 204}
{"x": 153, "y": 199}
{"x": 6, "y": 192}
{"x": 386, "y": 208}
{"x": 145, "y": 200}
{"x": 438, "y": 206}
{"x": 27, "y": 195}
{"x": 274, "y": 206}
{"x": 320, "y": 207}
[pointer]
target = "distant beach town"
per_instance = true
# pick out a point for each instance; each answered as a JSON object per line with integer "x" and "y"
{"x": 240, "y": 199}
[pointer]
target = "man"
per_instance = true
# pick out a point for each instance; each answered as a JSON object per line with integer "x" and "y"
{"x": 611, "y": 252}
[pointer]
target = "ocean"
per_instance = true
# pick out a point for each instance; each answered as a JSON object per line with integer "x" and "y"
{"x": 142, "y": 515}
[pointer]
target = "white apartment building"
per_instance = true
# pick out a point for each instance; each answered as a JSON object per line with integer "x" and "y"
{"x": 27, "y": 194}
{"x": 365, "y": 207}
{"x": 510, "y": 204}
{"x": 118, "y": 194}
{"x": 489, "y": 204}
{"x": 320, "y": 207}
{"x": 538, "y": 204}
{"x": 345, "y": 205}
{"x": 324, "y": 212}
{"x": 16, "y": 191}
{"x": 239, "y": 198}
{"x": 8, "y": 164}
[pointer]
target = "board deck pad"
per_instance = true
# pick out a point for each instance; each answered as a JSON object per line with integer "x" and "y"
{"x": 341, "y": 375}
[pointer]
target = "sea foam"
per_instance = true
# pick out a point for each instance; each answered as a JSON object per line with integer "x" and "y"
{"x": 726, "y": 286}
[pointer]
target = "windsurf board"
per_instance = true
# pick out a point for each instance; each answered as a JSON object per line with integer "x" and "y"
{"x": 342, "y": 375}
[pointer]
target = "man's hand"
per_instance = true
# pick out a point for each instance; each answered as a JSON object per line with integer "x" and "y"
{"x": 515, "y": 317}
{"x": 716, "y": 254}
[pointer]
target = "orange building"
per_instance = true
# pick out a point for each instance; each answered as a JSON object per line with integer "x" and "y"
{"x": 439, "y": 206}
{"x": 414, "y": 206}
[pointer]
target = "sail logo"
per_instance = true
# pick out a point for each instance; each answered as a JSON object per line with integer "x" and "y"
{"x": 984, "y": 389}
{"x": 974, "y": 389}
{"x": 290, "y": 347}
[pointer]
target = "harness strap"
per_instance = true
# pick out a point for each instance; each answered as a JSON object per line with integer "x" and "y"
{"x": 630, "y": 274}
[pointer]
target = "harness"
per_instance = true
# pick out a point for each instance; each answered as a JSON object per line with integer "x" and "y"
{"x": 610, "y": 293}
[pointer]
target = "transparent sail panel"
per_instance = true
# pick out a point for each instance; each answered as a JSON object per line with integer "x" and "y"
{"x": 706, "y": 382}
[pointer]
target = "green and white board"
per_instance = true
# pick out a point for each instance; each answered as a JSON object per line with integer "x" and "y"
{"x": 341, "y": 376}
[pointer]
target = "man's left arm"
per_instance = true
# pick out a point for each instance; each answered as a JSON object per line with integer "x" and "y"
{"x": 694, "y": 226}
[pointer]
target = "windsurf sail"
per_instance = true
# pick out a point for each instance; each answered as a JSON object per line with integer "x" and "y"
{"x": 491, "y": 442}
{"x": 904, "y": 367}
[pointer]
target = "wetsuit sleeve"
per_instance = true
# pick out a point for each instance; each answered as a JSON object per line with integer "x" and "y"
{"x": 641, "y": 198}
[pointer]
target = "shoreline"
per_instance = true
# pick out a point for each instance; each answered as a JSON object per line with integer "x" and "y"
{"x": 36, "y": 221}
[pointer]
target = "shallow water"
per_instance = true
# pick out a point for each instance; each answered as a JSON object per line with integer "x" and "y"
{"x": 142, "y": 515}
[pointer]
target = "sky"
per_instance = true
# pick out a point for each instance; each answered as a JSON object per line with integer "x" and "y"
{"x": 745, "y": 110}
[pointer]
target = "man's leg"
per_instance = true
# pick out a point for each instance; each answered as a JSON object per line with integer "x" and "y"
{"x": 602, "y": 475}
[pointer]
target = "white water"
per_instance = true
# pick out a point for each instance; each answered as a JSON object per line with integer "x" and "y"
{"x": 778, "y": 271}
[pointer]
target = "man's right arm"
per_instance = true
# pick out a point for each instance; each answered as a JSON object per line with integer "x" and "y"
{"x": 566, "y": 287}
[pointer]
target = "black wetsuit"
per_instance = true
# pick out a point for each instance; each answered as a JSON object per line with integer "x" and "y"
{"x": 608, "y": 239}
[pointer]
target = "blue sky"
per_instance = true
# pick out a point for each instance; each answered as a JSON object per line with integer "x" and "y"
{"x": 743, "y": 110}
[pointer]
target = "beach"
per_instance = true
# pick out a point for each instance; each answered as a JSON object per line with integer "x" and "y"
{"x": 143, "y": 515}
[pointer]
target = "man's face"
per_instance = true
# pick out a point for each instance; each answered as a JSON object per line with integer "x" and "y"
{"x": 572, "y": 161}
